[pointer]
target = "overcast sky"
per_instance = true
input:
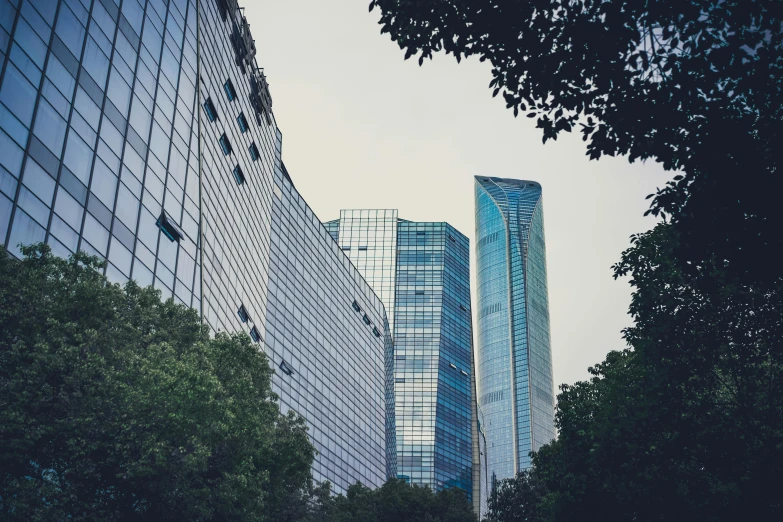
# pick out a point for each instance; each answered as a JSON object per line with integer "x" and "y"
{"x": 362, "y": 128}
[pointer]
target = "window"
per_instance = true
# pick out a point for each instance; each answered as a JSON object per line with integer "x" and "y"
{"x": 376, "y": 331}
{"x": 462, "y": 307}
{"x": 419, "y": 292}
{"x": 356, "y": 306}
{"x": 463, "y": 372}
{"x": 452, "y": 366}
{"x": 452, "y": 238}
{"x": 366, "y": 319}
{"x": 230, "y": 92}
{"x": 253, "y": 152}
{"x": 238, "y": 175}
{"x": 242, "y": 121}
{"x": 362, "y": 248}
{"x": 399, "y": 380}
{"x": 209, "y": 108}
{"x": 346, "y": 248}
{"x": 420, "y": 233}
{"x": 169, "y": 227}
{"x": 286, "y": 369}
{"x": 255, "y": 335}
{"x": 242, "y": 312}
{"x": 225, "y": 145}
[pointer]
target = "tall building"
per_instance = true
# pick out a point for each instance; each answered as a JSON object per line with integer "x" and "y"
{"x": 514, "y": 369}
{"x": 329, "y": 338}
{"x": 421, "y": 271}
{"x": 142, "y": 132}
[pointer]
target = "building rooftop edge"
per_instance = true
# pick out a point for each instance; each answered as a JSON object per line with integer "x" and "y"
{"x": 513, "y": 181}
{"x": 399, "y": 219}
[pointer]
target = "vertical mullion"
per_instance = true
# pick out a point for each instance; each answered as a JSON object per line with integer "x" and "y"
{"x": 26, "y": 153}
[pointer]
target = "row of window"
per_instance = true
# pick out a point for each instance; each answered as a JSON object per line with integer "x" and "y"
{"x": 209, "y": 108}
{"x": 223, "y": 141}
{"x": 366, "y": 319}
{"x": 245, "y": 317}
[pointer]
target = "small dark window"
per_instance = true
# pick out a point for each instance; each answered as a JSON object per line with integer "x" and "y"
{"x": 462, "y": 307}
{"x": 286, "y": 369}
{"x": 230, "y": 92}
{"x": 169, "y": 227}
{"x": 399, "y": 379}
{"x": 255, "y": 335}
{"x": 419, "y": 292}
{"x": 346, "y": 248}
{"x": 209, "y": 108}
{"x": 253, "y": 152}
{"x": 357, "y": 307}
{"x": 238, "y": 175}
{"x": 242, "y": 312}
{"x": 420, "y": 233}
{"x": 400, "y": 357}
{"x": 225, "y": 144}
{"x": 452, "y": 238}
{"x": 366, "y": 319}
{"x": 242, "y": 121}
{"x": 362, "y": 248}
{"x": 376, "y": 331}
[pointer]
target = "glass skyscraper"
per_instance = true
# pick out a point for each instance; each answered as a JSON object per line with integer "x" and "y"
{"x": 142, "y": 132}
{"x": 514, "y": 368}
{"x": 481, "y": 479}
{"x": 421, "y": 271}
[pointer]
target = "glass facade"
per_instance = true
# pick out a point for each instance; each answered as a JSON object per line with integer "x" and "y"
{"x": 99, "y": 136}
{"x": 481, "y": 479}
{"x": 141, "y": 131}
{"x": 369, "y": 239}
{"x": 421, "y": 271}
{"x": 332, "y": 331}
{"x": 514, "y": 370}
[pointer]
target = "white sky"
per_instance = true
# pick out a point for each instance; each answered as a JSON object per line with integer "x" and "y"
{"x": 364, "y": 129}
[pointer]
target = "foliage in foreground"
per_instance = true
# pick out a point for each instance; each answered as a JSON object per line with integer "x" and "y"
{"x": 686, "y": 425}
{"x": 117, "y": 406}
{"x": 395, "y": 501}
{"x": 693, "y": 84}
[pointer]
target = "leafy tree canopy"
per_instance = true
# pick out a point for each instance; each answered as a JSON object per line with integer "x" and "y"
{"x": 694, "y": 84}
{"x": 686, "y": 425}
{"x": 395, "y": 501}
{"x": 117, "y": 406}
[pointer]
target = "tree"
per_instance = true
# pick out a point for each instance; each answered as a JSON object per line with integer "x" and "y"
{"x": 693, "y": 84}
{"x": 117, "y": 406}
{"x": 685, "y": 425}
{"x": 395, "y": 501}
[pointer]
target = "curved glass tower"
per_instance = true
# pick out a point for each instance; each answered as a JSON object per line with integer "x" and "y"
{"x": 514, "y": 357}
{"x": 142, "y": 132}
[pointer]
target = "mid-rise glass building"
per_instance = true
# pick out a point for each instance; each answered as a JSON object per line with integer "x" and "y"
{"x": 329, "y": 338}
{"x": 421, "y": 271}
{"x": 514, "y": 365}
{"x": 142, "y": 132}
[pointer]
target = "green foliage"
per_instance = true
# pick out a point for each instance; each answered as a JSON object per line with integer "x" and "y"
{"x": 686, "y": 425}
{"x": 395, "y": 501}
{"x": 694, "y": 84}
{"x": 117, "y": 406}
